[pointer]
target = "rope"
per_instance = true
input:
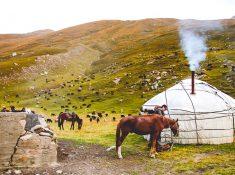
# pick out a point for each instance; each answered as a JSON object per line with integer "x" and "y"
{"x": 224, "y": 116}
{"x": 203, "y": 138}
{"x": 205, "y": 130}
{"x": 199, "y": 113}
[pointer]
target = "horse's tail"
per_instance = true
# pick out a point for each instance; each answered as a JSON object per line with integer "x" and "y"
{"x": 118, "y": 135}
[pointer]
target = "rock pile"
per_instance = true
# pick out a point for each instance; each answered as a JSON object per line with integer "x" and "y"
{"x": 26, "y": 141}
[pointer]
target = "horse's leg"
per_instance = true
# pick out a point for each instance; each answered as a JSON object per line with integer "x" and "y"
{"x": 150, "y": 140}
{"x": 62, "y": 124}
{"x": 119, "y": 143}
{"x": 59, "y": 123}
{"x": 158, "y": 147}
{"x": 71, "y": 125}
{"x": 154, "y": 143}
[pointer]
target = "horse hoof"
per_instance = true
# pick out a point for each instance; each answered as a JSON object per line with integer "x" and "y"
{"x": 120, "y": 157}
{"x": 152, "y": 156}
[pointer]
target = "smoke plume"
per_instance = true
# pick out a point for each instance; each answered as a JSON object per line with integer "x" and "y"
{"x": 193, "y": 40}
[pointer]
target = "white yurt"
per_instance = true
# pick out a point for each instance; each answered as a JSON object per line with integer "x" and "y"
{"x": 205, "y": 117}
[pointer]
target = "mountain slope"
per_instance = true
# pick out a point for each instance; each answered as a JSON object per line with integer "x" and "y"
{"x": 126, "y": 62}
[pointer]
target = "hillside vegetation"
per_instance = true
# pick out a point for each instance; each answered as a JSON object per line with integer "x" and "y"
{"x": 106, "y": 65}
{"x": 114, "y": 66}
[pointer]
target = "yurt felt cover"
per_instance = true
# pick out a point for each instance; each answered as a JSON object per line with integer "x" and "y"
{"x": 206, "y": 117}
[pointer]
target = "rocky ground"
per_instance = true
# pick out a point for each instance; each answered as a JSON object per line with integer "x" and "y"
{"x": 94, "y": 159}
{"x": 86, "y": 159}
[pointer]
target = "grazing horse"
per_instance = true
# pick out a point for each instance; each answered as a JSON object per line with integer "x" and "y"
{"x": 69, "y": 117}
{"x": 80, "y": 122}
{"x": 143, "y": 125}
{"x": 61, "y": 118}
{"x": 75, "y": 118}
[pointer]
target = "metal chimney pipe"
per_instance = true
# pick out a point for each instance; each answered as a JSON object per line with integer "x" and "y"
{"x": 193, "y": 84}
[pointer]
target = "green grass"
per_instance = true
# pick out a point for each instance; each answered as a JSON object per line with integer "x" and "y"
{"x": 183, "y": 159}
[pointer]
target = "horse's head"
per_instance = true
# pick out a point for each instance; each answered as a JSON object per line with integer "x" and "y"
{"x": 175, "y": 128}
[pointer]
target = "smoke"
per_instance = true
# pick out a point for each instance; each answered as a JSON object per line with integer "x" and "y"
{"x": 193, "y": 39}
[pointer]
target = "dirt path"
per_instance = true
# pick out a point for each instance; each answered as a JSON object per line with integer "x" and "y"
{"x": 89, "y": 159}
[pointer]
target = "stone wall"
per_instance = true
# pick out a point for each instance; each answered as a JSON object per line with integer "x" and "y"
{"x": 26, "y": 141}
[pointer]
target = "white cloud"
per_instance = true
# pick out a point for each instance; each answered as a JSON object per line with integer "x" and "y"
{"x": 19, "y": 16}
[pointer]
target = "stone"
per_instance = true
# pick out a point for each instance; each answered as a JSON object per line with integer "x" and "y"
{"x": 59, "y": 171}
{"x": 11, "y": 128}
{"x": 35, "y": 151}
{"x": 26, "y": 141}
{"x": 31, "y": 122}
{"x": 8, "y": 172}
{"x": 17, "y": 172}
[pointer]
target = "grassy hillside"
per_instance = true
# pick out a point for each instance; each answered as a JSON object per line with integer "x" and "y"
{"x": 77, "y": 67}
{"x": 115, "y": 66}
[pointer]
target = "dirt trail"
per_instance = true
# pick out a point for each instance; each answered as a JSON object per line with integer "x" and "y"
{"x": 89, "y": 159}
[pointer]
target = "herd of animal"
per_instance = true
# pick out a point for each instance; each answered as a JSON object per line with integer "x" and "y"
{"x": 12, "y": 109}
{"x": 152, "y": 123}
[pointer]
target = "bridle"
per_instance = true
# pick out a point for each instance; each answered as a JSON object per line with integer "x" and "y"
{"x": 173, "y": 127}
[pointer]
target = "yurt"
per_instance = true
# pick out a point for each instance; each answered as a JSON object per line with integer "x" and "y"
{"x": 206, "y": 115}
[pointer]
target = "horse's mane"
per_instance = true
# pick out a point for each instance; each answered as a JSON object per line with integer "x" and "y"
{"x": 169, "y": 120}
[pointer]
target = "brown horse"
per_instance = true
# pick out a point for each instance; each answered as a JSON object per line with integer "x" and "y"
{"x": 143, "y": 125}
{"x": 63, "y": 116}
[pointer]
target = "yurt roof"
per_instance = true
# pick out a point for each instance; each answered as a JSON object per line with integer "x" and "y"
{"x": 206, "y": 98}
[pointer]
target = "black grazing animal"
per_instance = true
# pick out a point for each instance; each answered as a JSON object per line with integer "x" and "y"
{"x": 49, "y": 120}
{"x": 4, "y": 110}
{"x": 100, "y": 114}
{"x": 98, "y": 120}
{"x": 14, "y": 110}
{"x": 114, "y": 119}
{"x": 106, "y": 115}
{"x": 93, "y": 117}
{"x": 122, "y": 116}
